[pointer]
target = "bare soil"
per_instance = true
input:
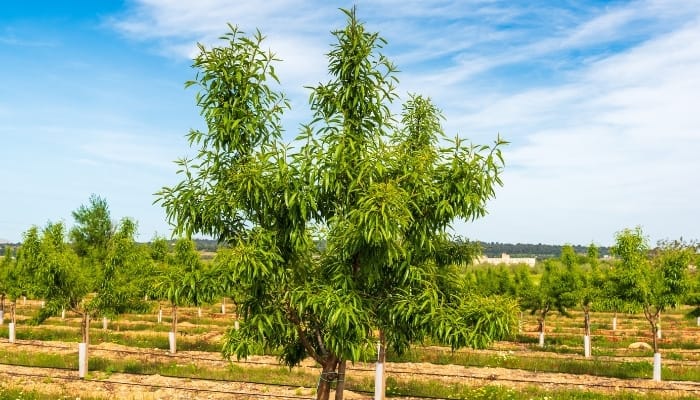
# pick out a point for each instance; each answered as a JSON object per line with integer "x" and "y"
{"x": 127, "y": 386}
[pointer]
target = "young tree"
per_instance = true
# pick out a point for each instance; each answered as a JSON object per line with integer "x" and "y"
{"x": 651, "y": 284}
{"x": 183, "y": 281}
{"x": 51, "y": 271}
{"x": 120, "y": 286}
{"x": 93, "y": 229}
{"x": 383, "y": 195}
{"x": 556, "y": 291}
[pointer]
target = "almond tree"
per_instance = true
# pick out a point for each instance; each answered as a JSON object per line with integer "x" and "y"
{"x": 653, "y": 284}
{"x": 556, "y": 292}
{"x": 380, "y": 193}
{"x": 183, "y": 281}
{"x": 50, "y": 270}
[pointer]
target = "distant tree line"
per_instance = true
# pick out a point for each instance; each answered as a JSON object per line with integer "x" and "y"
{"x": 539, "y": 250}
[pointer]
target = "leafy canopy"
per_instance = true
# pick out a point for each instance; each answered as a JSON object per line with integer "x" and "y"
{"x": 379, "y": 191}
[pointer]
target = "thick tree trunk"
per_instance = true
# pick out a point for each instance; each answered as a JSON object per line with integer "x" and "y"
{"x": 328, "y": 376}
{"x": 340, "y": 386}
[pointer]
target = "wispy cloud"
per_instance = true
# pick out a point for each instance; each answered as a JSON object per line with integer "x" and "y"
{"x": 598, "y": 100}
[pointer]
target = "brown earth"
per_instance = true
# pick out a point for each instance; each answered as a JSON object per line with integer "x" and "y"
{"x": 127, "y": 386}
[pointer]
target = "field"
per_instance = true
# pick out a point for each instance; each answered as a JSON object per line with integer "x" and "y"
{"x": 130, "y": 360}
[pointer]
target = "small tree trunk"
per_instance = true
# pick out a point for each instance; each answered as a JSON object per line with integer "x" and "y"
{"x": 586, "y": 332}
{"x": 11, "y": 332}
{"x": 2, "y": 308}
{"x": 83, "y": 346}
{"x": 657, "y": 367}
{"x": 520, "y": 322}
{"x": 379, "y": 379}
{"x": 160, "y": 313}
{"x": 104, "y": 323}
{"x": 340, "y": 386}
{"x": 173, "y": 332}
{"x": 540, "y": 322}
{"x": 199, "y": 312}
{"x": 614, "y": 322}
{"x": 24, "y": 300}
{"x": 63, "y": 314}
{"x": 223, "y": 306}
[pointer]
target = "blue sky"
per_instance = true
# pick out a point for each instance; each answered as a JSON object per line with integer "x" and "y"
{"x": 599, "y": 100}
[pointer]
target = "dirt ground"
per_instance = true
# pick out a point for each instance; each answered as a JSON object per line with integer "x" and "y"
{"x": 127, "y": 386}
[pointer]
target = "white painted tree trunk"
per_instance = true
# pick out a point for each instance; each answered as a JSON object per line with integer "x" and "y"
{"x": 171, "y": 341}
{"x": 11, "y": 332}
{"x": 2, "y": 317}
{"x": 658, "y": 332}
{"x": 520, "y": 323}
{"x": 698, "y": 321}
{"x": 82, "y": 360}
{"x": 541, "y": 339}
{"x": 236, "y": 325}
{"x": 63, "y": 314}
{"x": 657, "y": 367}
{"x": 379, "y": 377}
{"x": 587, "y": 346}
{"x": 614, "y": 324}
{"x": 24, "y": 300}
{"x": 43, "y": 304}
{"x": 199, "y": 312}
{"x": 160, "y": 316}
{"x": 105, "y": 321}
{"x": 223, "y": 306}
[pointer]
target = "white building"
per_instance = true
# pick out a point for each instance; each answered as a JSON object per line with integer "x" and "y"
{"x": 506, "y": 259}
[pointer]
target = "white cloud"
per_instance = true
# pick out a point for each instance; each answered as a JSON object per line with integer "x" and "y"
{"x": 606, "y": 142}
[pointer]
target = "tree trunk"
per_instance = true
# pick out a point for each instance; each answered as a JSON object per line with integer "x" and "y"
{"x": 614, "y": 322}
{"x": 586, "y": 331}
{"x": 657, "y": 367}
{"x": 173, "y": 332}
{"x": 83, "y": 346}
{"x": 340, "y": 386}
{"x": 328, "y": 376}
{"x": 223, "y": 305}
{"x": 540, "y": 322}
{"x": 520, "y": 322}
{"x": 380, "y": 377}
{"x": 11, "y": 332}
{"x": 2, "y": 308}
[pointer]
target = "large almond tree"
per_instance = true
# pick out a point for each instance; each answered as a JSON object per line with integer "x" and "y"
{"x": 379, "y": 190}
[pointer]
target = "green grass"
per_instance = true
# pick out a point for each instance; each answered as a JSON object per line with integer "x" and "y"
{"x": 593, "y": 366}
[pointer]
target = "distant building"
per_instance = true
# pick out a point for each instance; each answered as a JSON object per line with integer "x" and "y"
{"x": 506, "y": 259}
